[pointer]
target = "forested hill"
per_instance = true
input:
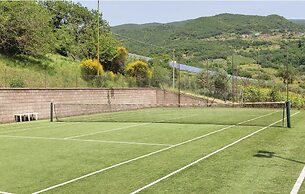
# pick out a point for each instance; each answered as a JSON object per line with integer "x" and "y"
{"x": 206, "y": 27}
{"x": 212, "y": 37}
{"x": 298, "y": 21}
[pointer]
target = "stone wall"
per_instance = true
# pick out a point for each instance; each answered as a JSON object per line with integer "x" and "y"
{"x": 13, "y": 101}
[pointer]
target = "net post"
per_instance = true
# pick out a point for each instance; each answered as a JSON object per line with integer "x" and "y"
{"x": 51, "y": 111}
{"x": 288, "y": 107}
{"x": 283, "y": 115}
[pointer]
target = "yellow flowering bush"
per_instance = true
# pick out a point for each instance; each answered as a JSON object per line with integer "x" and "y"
{"x": 111, "y": 75}
{"x": 90, "y": 69}
{"x": 140, "y": 71}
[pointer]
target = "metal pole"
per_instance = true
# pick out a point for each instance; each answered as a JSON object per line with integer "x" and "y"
{"x": 258, "y": 65}
{"x": 288, "y": 105}
{"x": 288, "y": 114}
{"x": 233, "y": 84}
{"x": 283, "y": 116}
{"x": 208, "y": 87}
{"x": 179, "y": 87}
{"x": 98, "y": 32}
{"x": 287, "y": 76}
{"x": 173, "y": 68}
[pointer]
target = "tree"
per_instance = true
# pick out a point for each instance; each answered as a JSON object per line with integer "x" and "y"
{"x": 75, "y": 29}
{"x": 215, "y": 84}
{"x": 118, "y": 61}
{"x": 286, "y": 75}
{"x": 162, "y": 74}
{"x": 24, "y": 28}
{"x": 220, "y": 83}
{"x": 139, "y": 70}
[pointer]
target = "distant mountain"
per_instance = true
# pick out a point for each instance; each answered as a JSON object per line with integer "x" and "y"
{"x": 205, "y": 37}
{"x": 206, "y": 27}
{"x": 298, "y": 21}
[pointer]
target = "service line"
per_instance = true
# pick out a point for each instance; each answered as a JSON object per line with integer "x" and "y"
{"x": 85, "y": 140}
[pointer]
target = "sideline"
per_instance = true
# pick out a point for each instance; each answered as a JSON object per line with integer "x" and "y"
{"x": 298, "y": 183}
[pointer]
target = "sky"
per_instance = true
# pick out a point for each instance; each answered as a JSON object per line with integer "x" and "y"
{"x": 139, "y": 12}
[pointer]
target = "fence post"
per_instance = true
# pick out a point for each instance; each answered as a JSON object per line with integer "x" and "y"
{"x": 51, "y": 111}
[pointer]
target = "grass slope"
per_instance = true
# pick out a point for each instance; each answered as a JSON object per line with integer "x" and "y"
{"x": 51, "y": 71}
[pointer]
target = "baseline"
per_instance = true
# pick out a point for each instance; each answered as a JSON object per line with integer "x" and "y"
{"x": 298, "y": 183}
{"x": 2, "y": 192}
{"x": 205, "y": 157}
{"x": 146, "y": 155}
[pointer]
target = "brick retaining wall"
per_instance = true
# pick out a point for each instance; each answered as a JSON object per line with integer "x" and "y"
{"x": 14, "y": 101}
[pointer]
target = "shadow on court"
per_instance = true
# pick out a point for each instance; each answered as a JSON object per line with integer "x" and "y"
{"x": 267, "y": 154}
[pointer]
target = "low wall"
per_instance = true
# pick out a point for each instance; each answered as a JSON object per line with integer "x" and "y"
{"x": 13, "y": 101}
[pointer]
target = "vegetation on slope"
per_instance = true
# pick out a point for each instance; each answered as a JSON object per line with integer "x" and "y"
{"x": 48, "y": 52}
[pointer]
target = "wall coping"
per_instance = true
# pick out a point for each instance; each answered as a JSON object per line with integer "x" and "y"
{"x": 46, "y": 89}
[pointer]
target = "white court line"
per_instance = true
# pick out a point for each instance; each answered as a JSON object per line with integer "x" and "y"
{"x": 38, "y": 127}
{"x": 205, "y": 157}
{"x": 146, "y": 155}
{"x": 298, "y": 183}
{"x": 2, "y": 192}
{"x": 85, "y": 140}
{"x": 105, "y": 131}
{"x": 120, "y": 128}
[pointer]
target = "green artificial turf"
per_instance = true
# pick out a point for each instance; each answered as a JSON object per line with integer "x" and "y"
{"x": 38, "y": 155}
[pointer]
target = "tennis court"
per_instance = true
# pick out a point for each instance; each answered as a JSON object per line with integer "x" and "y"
{"x": 155, "y": 150}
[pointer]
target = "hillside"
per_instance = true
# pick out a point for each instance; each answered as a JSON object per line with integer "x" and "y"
{"x": 298, "y": 21}
{"x": 206, "y": 27}
{"x": 215, "y": 37}
{"x": 259, "y": 43}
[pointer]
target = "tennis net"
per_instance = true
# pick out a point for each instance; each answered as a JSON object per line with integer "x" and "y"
{"x": 251, "y": 114}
